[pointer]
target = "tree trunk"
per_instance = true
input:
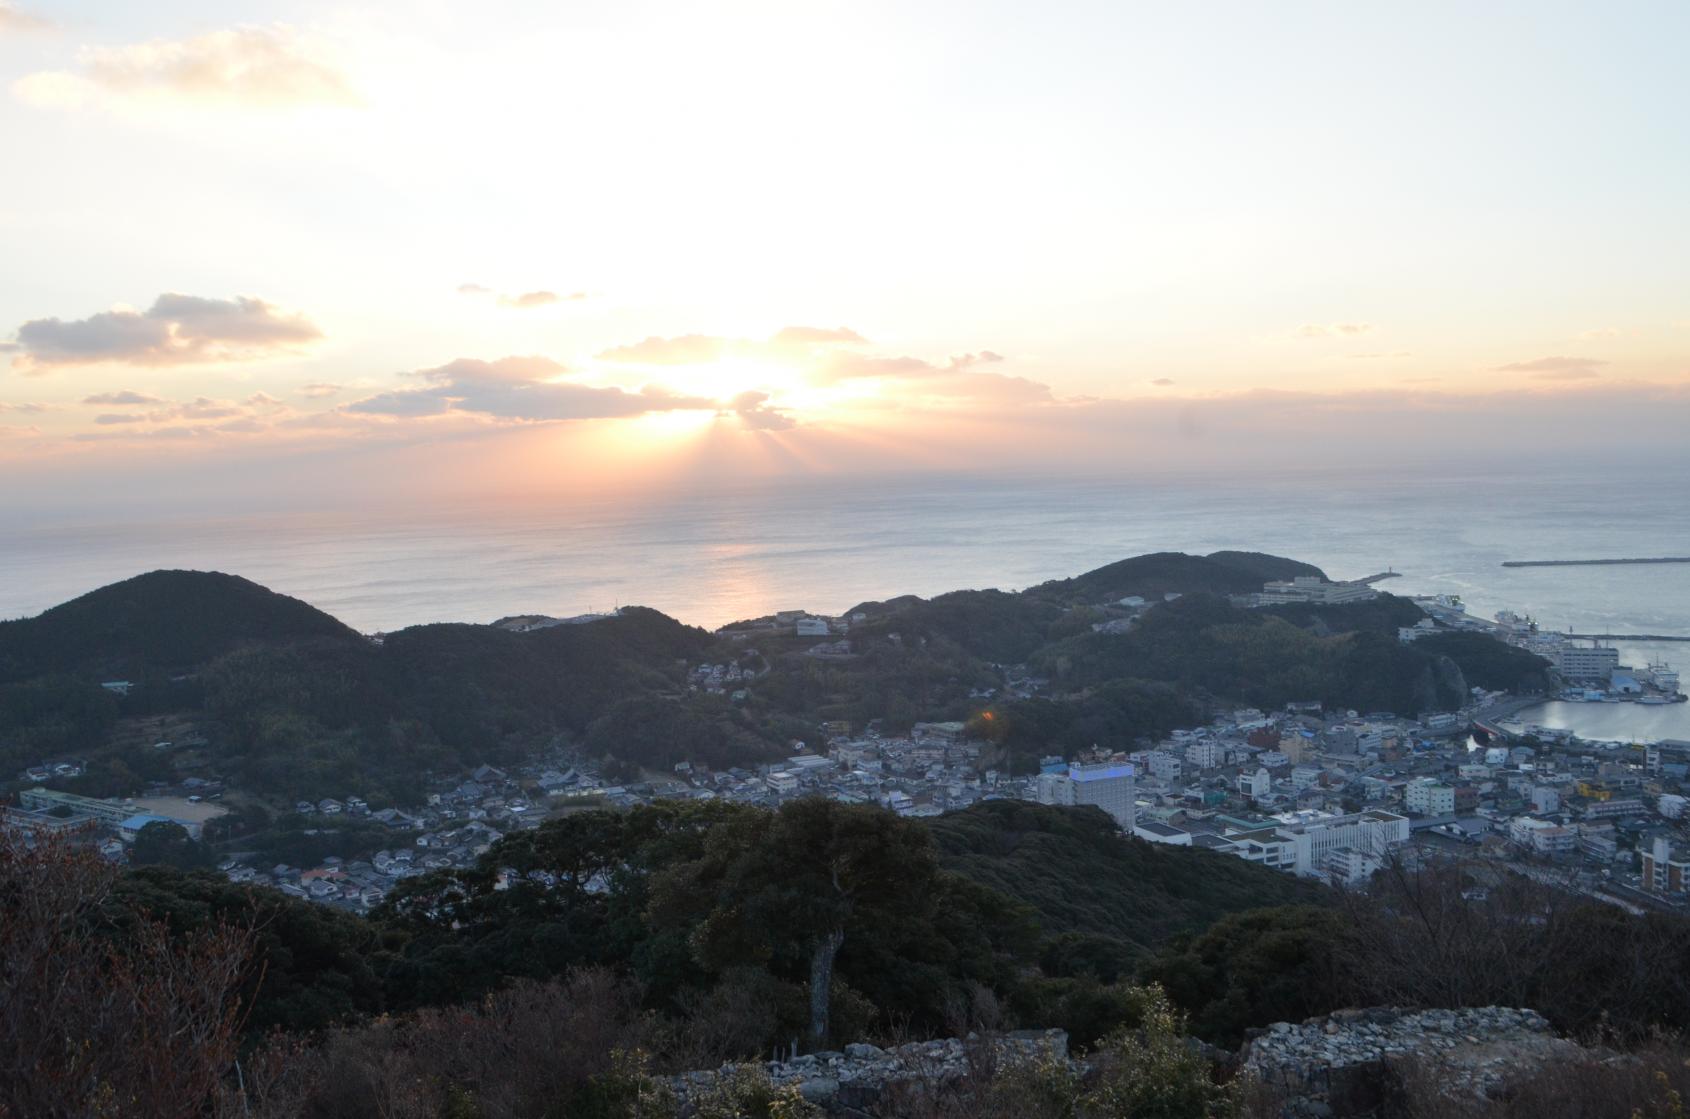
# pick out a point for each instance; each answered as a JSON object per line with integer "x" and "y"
{"x": 821, "y": 983}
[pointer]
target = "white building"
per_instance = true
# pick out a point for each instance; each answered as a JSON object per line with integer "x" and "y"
{"x": 1350, "y": 867}
{"x": 1429, "y": 797}
{"x": 1542, "y": 837}
{"x": 1318, "y": 835}
{"x": 1156, "y": 832}
{"x": 1578, "y": 662}
{"x": 1205, "y": 753}
{"x": 1662, "y": 873}
{"x": 1255, "y": 785}
{"x": 1546, "y": 799}
{"x": 1312, "y": 588}
{"x": 1268, "y": 846}
{"x": 1321, "y": 844}
{"x": 1159, "y": 763}
{"x": 1425, "y": 627}
{"x": 1108, "y": 785}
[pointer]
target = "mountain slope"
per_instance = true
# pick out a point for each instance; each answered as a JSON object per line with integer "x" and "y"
{"x": 1083, "y": 879}
{"x": 1160, "y": 573}
{"x": 161, "y": 622}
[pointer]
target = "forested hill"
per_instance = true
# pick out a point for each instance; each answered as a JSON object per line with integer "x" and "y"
{"x": 1103, "y": 900}
{"x": 287, "y": 702}
{"x": 161, "y": 622}
{"x": 1161, "y": 573}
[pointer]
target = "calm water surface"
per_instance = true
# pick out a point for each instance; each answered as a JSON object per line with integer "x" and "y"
{"x": 712, "y": 558}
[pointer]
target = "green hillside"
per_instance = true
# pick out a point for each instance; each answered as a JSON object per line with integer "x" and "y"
{"x": 1085, "y": 881}
{"x": 1161, "y": 573}
{"x": 158, "y": 623}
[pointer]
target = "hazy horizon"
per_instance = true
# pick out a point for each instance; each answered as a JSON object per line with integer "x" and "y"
{"x": 325, "y": 255}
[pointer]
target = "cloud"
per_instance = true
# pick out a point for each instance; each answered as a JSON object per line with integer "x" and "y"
{"x": 815, "y": 335}
{"x": 695, "y": 349}
{"x": 539, "y": 299}
{"x": 24, "y": 408}
{"x": 317, "y": 390}
{"x": 752, "y": 408}
{"x": 198, "y": 411}
{"x": 126, "y": 396}
{"x": 13, "y": 18}
{"x": 258, "y": 66}
{"x": 1556, "y": 368}
{"x": 176, "y": 330}
{"x": 1599, "y": 332}
{"x": 474, "y": 289}
{"x": 845, "y": 367}
{"x": 688, "y": 349}
{"x": 963, "y": 361}
{"x": 403, "y": 403}
{"x": 1334, "y": 330}
{"x": 1162, "y": 382}
{"x": 518, "y": 389}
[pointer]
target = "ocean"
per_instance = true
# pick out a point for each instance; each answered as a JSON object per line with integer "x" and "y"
{"x": 712, "y": 556}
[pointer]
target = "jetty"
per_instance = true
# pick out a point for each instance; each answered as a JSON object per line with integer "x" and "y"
{"x": 1592, "y": 562}
{"x": 1627, "y": 637}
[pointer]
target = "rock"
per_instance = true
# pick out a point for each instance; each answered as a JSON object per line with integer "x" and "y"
{"x": 821, "y": 1090}
{"x": 1343, "y": 1064}
{"x": 863, "y": 1051}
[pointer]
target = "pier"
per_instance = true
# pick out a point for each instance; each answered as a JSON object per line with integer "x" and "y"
{"x": 1627, "y": 637}
{"x": 1592, "y": 562}
{"x": 1383, "y": 575}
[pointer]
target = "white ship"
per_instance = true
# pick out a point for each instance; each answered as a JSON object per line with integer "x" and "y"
{"x": 1662, "y": 675}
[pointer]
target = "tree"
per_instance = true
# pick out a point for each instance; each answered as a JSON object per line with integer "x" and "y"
{"x": 1263, "y": 965}
{"x": 166, "y": 843}
{"x": 791, "y": 887}
{"x": 100, "y": 1021}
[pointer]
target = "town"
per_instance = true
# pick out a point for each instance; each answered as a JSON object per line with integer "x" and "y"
{"x": 1332, "y": 795}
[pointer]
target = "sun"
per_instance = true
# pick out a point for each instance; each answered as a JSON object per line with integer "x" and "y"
{"x": 727, "y": 377}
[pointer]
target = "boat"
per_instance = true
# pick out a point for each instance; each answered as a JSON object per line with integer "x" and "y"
{"x": 1653, "y": 700}
{"x": 1663, "y": 675}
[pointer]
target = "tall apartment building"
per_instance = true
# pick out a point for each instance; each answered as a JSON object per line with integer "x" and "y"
{"x": 1580, "y": 662}
{"x": 1108, "y": 785}
{"x": 1662, "y": 873}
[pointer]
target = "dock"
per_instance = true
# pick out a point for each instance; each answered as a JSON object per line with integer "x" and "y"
{"x": 1592, "y": 562}
{"x": 1381, "y": 577}
{"x": 1627, "y": 637}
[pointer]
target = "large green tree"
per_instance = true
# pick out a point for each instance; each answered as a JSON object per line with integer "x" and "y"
{"x": 791, "y": 887}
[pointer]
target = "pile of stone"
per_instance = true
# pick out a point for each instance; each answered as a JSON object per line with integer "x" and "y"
{"x": 851, "y": 1080}
{"x": 1348, "y": 1062}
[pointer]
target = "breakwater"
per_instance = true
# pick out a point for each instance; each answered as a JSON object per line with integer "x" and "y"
{"x": 1592, "y": 562}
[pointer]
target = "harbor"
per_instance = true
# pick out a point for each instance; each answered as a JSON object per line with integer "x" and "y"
{"x": 1622, "y": 723}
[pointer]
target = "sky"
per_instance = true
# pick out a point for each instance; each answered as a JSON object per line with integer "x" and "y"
{"x": 310, "y": 253}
